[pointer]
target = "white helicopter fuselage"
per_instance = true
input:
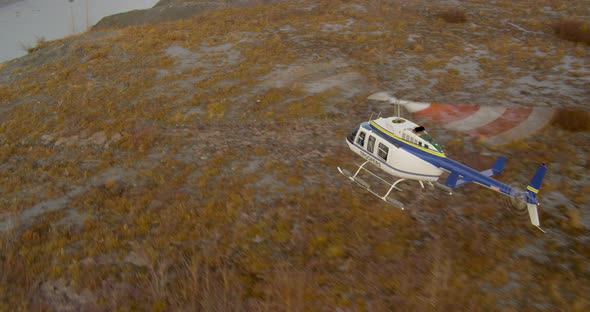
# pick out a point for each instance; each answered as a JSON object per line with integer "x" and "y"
{"x": 385, "y": 143}
{"x": 405, "y": 150}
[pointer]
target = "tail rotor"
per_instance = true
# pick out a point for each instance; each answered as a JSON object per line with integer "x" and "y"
{"x": 516, "y": 203}
{"x": 523, "y": 203}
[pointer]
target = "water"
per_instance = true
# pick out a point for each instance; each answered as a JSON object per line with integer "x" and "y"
{"x": 23, "y": 22}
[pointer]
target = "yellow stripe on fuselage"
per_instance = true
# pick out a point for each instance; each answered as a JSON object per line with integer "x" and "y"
{"x": 532, "y": 189}
{"x": 374, "y": 124}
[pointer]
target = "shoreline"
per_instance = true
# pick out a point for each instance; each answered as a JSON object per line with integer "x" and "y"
{"x": 23, "y": 22}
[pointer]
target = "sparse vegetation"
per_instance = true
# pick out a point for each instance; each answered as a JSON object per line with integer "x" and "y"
{"x": 40, "y": 43}
{"x": 190, "y": 165}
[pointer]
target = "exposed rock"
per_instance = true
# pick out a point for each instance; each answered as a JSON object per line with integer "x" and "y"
{"x": 99, "y": 138}
{"x": 169, "y": 11}
{"x": 138, "y": 259}
{"x": 63, "y": 297}
{"x": 47, "y": 139}
{"x": 67, "y": 141}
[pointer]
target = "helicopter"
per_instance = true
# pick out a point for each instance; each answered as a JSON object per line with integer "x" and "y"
{"x": 406, "y": 151}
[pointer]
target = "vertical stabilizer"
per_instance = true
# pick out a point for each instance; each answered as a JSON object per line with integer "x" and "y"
{"x": 533, "y": 187}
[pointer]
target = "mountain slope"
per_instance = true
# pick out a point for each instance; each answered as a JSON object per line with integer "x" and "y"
{"x": 191, "y": 164}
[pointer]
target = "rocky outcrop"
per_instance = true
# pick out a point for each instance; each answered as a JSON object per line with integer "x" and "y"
{"x": 170, "y": 10}
{"x": 157, "y": 14}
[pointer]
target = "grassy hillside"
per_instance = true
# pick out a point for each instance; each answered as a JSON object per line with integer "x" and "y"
{"x": 191, "y": 164}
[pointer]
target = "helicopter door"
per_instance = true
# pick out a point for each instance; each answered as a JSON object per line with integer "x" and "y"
{"x": 371, "y": 144}
{"x": 361, "y": 139}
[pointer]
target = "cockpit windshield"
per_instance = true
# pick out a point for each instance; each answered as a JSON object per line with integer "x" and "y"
{"x": 420, "y": 131}
{"x": 353, "y": 134}
{"x": 428, "y": 138}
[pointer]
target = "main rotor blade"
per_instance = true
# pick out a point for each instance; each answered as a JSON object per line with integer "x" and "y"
{"x": 382, "y": 96}
{"x": 493, "y": 125}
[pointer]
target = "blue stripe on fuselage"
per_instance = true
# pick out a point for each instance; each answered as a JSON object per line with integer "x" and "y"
{"x": 380, "y": 160}
{"x": 467, "y": 173}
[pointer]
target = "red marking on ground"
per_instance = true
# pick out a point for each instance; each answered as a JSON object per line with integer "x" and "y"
{"x": 511, "y": 118}
{"x": 447, "y": 113}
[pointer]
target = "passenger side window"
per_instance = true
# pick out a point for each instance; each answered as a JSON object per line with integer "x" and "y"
{"x": 383, "y": 151}
{"x": 361, "y": 139}
{"x": 371, "y": 144}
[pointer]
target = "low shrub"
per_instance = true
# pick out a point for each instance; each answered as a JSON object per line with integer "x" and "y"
{"x": 572, "y": 120}
{"x": 575, "y": 31}
{"x": 454, "y": 16}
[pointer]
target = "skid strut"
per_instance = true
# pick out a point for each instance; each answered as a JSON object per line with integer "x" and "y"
{"x": 359, "y": 170}
{"x": 366, "y": 185}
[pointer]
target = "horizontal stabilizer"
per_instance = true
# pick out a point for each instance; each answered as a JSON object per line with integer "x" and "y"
{"x": 497, "y": 168}
{"x": 452, "y": 180}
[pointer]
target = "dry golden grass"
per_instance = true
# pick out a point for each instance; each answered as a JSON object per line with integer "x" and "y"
{"x": 178, "y": 225}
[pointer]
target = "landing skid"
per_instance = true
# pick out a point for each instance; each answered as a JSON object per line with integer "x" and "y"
{"x": 366, "y": 185}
